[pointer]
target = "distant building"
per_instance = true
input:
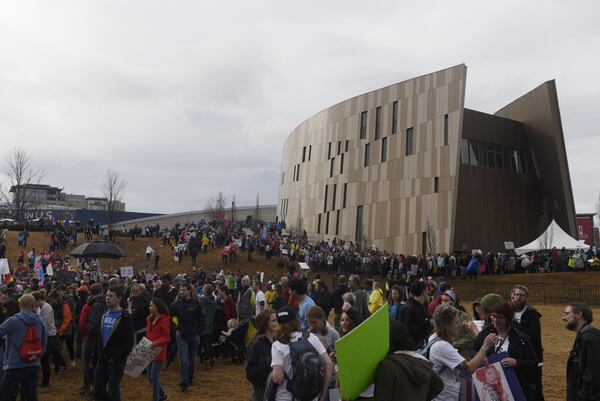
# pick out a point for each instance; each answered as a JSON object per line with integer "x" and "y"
{"x": 585, "y": 228}
{"x": 45, "y": 196}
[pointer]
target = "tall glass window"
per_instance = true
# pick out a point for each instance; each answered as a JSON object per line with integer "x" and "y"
{"x": 409, "y": 141}
{"x": 363, "y": 125}
{"x": 395, "y": 117}
{"x": 377, "y": 122}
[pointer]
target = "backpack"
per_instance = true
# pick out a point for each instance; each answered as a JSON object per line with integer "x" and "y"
{"x": 32, "y": 348}
{"x": 308, "y": 370}
{"x": 424, "y": 349}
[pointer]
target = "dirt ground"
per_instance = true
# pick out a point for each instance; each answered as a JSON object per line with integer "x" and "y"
{"x": 226, "y": 381}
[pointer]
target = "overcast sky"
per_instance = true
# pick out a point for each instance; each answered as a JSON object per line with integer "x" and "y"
{"x": 186, "y": 98}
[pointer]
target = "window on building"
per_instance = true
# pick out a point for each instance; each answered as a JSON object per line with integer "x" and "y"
{"x": 309, "y": 152}
{"x": 445, "y": 129}
{"x": 358, "y": 235}
{"x": 366, "y": 159}
{"x": 325, "y": 199}
{"x": 298, "y": 173}
{"x": 383, "y": 149}
{"x": 327, "y": 224}
{"x": 377, "y": 122}
{"x": 342, "y": 163}
{"x": 436, "y": 184}
{"x": 282, "y": 178}
{"x": 395, "y": 117}
{"x": 319, "y": 224}
{"x": 494, "y": 156}
{"x": 334, "y": 196}
{"x": 303, "y": 154}
{"x": 329, "y": 151}
{"x": 337, "y": 222}
{"x": 344, "y": 195}
{"x": 294, "y": 175}
{"x": 347, "y": 144}
{"x": 363, "y": 125}
{"x": 409, "y": 141}
{"x": 339, "y": 149}
{"x": 331, "y": 166}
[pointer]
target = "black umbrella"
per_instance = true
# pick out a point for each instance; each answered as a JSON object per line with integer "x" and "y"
{"x": 98, "y": 249}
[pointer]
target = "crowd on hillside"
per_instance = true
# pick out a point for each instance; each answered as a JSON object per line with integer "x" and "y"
{"x": 97, "y": 318}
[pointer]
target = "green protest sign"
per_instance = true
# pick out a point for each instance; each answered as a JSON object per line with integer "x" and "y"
{"x": 359, "y": 352}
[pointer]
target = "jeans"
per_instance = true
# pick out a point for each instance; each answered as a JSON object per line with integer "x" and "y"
{"x": 188, "y": 349}
{"x": 23, "y": 378}
{"x": 207, "y": 347}
{"x": 154, "y": 377}
{"x": 88, "y": 373}
{"x": 108, "y": 374}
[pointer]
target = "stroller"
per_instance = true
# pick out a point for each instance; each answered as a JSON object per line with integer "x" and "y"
{"x": 233, "y": 346}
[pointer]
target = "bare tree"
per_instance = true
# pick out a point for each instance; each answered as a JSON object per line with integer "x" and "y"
{"x": 216, "y": 207}
{"x": 16, "y": 191}
{"x": 113, "y": 190}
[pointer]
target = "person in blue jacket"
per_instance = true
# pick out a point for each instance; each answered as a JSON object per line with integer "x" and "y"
{"x": 17, "y": 371}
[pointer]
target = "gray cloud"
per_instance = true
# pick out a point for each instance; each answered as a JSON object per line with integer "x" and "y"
{"x": 187, "y": 98}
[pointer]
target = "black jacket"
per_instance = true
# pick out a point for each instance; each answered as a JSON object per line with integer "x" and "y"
{"x": 119, "y": 343}
{"x": 190, "y": 316}
{"x": 416, "y": 319}
{"x": 97, "y": 305}
{"x": 258, "y": 365}
{"x": 583, "y": 366}
{"x": 336, "y": 299}
{"x": 530, "y": 325}
{"x": 519, "y": 348}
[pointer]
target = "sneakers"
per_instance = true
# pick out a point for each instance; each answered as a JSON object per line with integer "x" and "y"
{"x": 84, "y": 390}
{"x": 73, "y": 364}
{"x": 164, "y": 398}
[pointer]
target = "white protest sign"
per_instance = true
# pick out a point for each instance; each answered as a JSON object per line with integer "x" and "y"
{"x": 4, "y": 268}
{"x": 140, "y": 357}
{"x": 149, "y": 276}
{"x": 127, "y": 271}
{"x": 303, "y": 266}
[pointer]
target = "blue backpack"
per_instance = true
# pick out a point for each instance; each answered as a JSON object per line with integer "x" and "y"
{"x": 308, "y": 370}
{"x": 426, "y": 348}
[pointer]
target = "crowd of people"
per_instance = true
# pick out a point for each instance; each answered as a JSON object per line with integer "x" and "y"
{"x": 435, "y": 343}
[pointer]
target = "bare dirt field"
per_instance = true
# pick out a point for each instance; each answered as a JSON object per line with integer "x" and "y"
{"x": 226, "y": 381}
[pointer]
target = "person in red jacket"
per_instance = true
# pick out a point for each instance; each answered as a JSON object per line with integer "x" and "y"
{"x": 158, "y": 330}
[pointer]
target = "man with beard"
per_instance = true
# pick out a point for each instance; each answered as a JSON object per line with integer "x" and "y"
{"x": 244, "y": 307}
{"x": 527, "y": 319}
{"x": 583, "y": 365}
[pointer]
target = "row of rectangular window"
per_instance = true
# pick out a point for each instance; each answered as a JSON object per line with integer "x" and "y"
{"x": 296, "y": 176}
{"x": 364, "y": 123}
{"x": 344, "y": 195}
{"x": 304, "y": 153}
{"x": 482, "y": 154}
{"x": 337, "y": 223}
{"x": 339, "y": 148}
{"x": 284, "y": 206}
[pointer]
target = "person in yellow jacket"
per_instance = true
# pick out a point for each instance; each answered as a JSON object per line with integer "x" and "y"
{"x": 376, "y": 298}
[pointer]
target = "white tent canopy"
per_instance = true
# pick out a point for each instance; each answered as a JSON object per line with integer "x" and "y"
{"x": 553, "y": 237}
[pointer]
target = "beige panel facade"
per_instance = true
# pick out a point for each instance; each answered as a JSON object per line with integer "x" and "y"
{"x": 406, "y": 197}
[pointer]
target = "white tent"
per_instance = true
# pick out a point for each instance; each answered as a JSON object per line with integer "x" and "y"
{"x": 553, "y": 237}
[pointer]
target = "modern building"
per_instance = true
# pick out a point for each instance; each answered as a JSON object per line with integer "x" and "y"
{"x": 407, "y": 168}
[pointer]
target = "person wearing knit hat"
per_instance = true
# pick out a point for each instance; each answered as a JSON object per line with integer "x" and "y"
{"x": 487, "y": 303}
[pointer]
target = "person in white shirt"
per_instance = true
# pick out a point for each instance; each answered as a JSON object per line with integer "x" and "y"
{"x": 446, "y": 360}
{"x": 281, "y": 361}
{"x": 261, "y": 301}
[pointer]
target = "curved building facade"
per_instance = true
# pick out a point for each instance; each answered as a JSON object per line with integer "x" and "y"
{"x": 407, "y": 168}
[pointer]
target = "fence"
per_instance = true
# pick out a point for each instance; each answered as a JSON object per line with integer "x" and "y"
{"x": 546, "y": 293}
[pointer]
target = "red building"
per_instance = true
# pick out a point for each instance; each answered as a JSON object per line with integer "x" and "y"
{"x": 585, "y": 227}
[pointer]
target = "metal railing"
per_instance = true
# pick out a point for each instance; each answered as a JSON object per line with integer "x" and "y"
{"x": 545, "y": 293}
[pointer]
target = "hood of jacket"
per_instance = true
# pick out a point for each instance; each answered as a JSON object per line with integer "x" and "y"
{"x": 28, "y": 318}
{"x": 415, "y": 367}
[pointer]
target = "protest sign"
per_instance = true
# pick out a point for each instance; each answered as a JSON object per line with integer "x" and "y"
{"x": 127, "y": 271}
{"x": 493, "y": 382}
{"x": 4, "y": 267}
{"x": 140, "y": 357}
{"x": 360, "y": 351}
{"x": 303, "y": 266}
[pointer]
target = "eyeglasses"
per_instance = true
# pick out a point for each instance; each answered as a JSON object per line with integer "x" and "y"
{"x": 516, "y": 294}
